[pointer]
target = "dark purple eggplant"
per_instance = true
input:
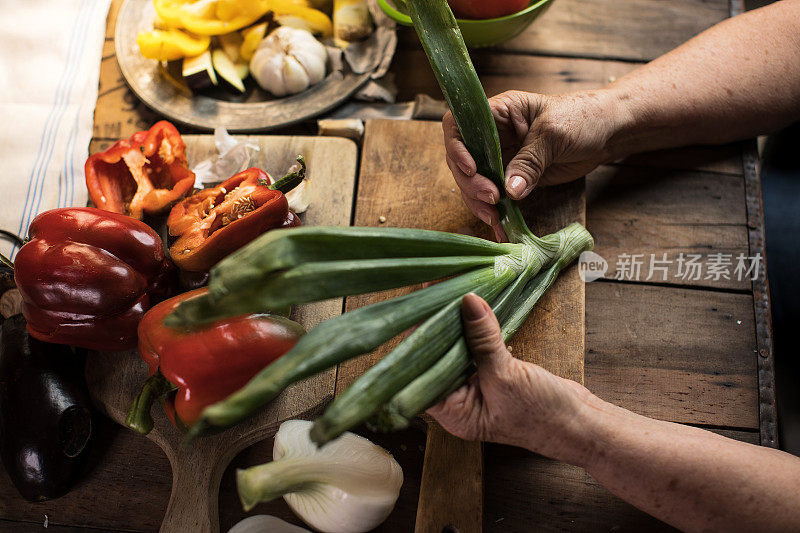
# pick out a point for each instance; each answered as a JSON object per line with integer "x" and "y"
{"x": 199, "y": 71}
{"x": 45, "y": 413}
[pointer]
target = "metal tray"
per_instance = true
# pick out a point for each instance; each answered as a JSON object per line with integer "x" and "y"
{"x": 258, "y": 112}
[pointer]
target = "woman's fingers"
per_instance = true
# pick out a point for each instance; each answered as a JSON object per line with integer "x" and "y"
{"x": 476, "y": 186}
{"x": 487, "y": 213}
{"x": 455, "y": 148}
{"x": 483, "y": 336}
{"x": 500, "y": 233}
{"x": 478, "y": 192}
{"x": 526, "y": 168}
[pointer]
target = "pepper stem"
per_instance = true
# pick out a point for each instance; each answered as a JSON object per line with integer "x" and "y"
{"x": 139, "y": 418}
{"x": 292, "y": 179}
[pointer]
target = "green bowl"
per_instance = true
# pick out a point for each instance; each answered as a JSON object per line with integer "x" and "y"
{"x": 479, "y": 33}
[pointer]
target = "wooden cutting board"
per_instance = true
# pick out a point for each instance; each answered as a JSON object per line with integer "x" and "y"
{"x": 404, "y": 181}
{"x": 114, "y": 379}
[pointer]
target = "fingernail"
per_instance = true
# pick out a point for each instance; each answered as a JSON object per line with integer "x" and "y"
{"x": 486, "y": 196}
{"x": 487, "y": 218}
{"x": 464, "y": 168}
{"x": 472, "y": 307}
{"x": 516, "y": 185}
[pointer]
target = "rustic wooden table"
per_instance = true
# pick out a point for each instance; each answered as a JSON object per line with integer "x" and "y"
{"x": 693, "y": 351}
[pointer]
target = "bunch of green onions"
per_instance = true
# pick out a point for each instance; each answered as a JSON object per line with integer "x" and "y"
{"x": 296, "y": 266}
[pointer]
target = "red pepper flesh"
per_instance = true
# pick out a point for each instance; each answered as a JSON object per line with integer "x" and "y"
{"x": 87, "y": 277}
{"x": 215, "y": 222}
{"x": 144, "y": 174}
{"x": 209, "y": 364}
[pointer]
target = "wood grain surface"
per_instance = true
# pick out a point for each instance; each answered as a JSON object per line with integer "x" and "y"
{"x": 632, "y": 30}
{"x": 657, "y": 213}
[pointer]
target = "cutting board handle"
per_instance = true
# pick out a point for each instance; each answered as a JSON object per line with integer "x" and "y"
{"x": 193, "y": 503}
{"x": 451, "y": 493}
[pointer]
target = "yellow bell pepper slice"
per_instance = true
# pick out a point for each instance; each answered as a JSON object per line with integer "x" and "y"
{"x": 168, "y": 45}
{"x": 202, "y": 17}
{"x": 286, "y": 6}
{"x": 252, "y": 36}
{"x": 230, "y": 9}
{"x": 310, "y": 19}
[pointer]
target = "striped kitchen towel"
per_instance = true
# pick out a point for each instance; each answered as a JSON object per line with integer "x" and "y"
{"x": 50, "y": 56}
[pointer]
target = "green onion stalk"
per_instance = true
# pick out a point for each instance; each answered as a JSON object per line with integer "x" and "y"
{"x": 300, "y": 265}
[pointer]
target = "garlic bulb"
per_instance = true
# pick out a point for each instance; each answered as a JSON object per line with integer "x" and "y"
{"x": 288, "y": 61}
{"x": 349, "y": 485}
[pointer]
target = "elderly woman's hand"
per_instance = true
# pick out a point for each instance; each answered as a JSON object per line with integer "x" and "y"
{"x": 545, "y": 140}
{"x": 510, "y": 401}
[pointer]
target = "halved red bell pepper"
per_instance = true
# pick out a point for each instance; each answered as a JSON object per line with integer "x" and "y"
{"x": 215, "y": 222}
{"x": 144, "y": 174}
{"x": 87, "y": 276}
{"x": 193, "y": 369}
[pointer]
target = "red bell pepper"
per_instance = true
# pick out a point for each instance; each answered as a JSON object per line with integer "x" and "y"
{"x": 192, "y": 369}
{"x": 144, "y": 174}
{"x": 215, "y": 222}
{"x": 87, "y": 277}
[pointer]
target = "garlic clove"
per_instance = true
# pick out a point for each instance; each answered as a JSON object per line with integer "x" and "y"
{"x": 299, "y": 198}
{"x": 272, "y": 78}
{"x": 313, "y": 63}
{"x": 295, "y": 77}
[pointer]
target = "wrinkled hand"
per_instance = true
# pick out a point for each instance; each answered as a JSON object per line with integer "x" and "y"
{"x": 546, "y": 140}
{"x": 510, "y": 401}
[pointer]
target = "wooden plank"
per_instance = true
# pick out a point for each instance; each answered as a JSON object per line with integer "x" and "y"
{"x": 649, "y": 212}
{"x": 632, "y": 30}
{"x": 725, "y": 159}
{"x": 505, "y": 72}
{"x": 403, "y": 172}
{"x": 636, "y": 30}
{"x": 26, "y": 527}
{"x": 451, "y": 488}
{"x": 680, "y": 355}
{"x": 118, "y": 112}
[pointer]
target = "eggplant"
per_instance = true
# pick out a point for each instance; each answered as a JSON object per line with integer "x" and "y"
{"x": 45, "y": 413}
{"x": 199, "y": 71}
{"x": 227, "y": 72}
